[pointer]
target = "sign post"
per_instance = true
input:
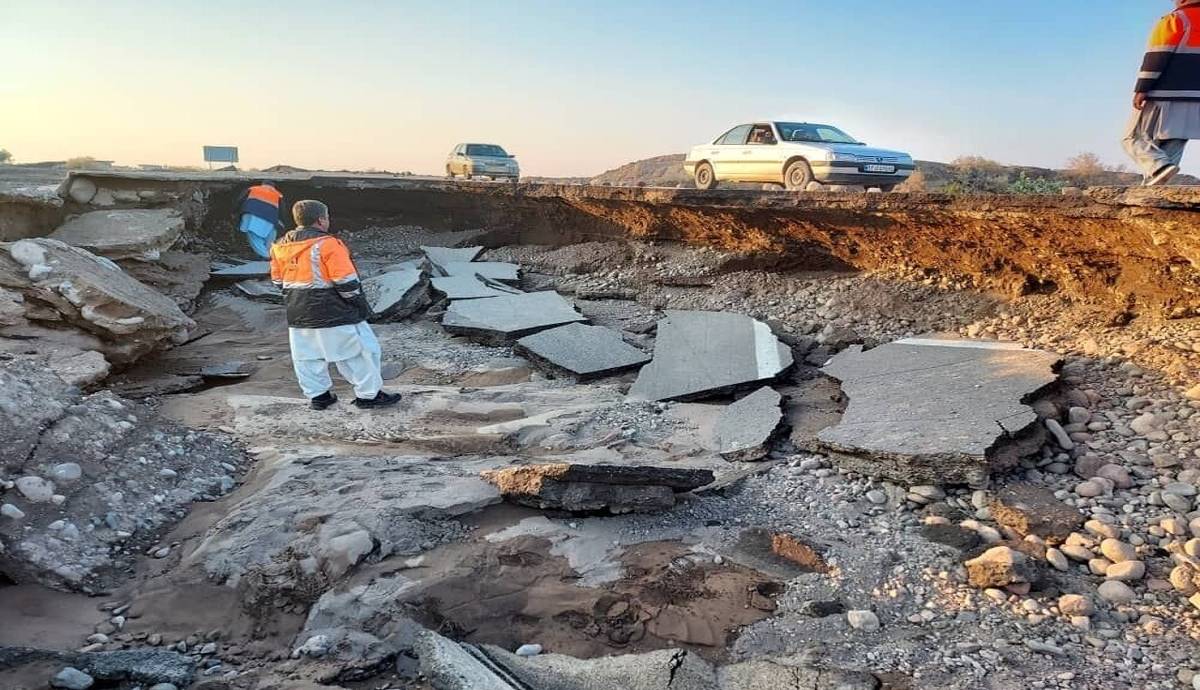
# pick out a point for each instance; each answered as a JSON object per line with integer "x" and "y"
{"x": 220, "y": 154}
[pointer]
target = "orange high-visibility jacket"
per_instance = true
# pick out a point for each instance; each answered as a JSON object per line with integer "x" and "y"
{"x": 319, "y": 281}
{"x": 1171, "y": 69}
{"x": 263, "y": 201}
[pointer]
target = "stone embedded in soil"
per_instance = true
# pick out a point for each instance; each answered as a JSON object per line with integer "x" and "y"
{"x": 796, "y": 551}
{"x": 704, "y": 353}
{"x": 64, "y": 284}
{"x": 440, "y": 256}
{"x": 364, "y": 625}
{"x": 933, "y": 411}
{"x": 469, "y": 287}
{"x": 396, "y": 294}
{"x": 1030, "y": 509}
{"x": 133, "y": 666}
{"x": 510, "y": 316}
{"x": 127, "y": 234}
{"x": 587, "y": 351}
{"x": 586, "y": 488}
{"x": 745, "y": 428}
{"x": 999, "y": 566}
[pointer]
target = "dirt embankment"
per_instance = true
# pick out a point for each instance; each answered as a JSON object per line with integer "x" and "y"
{"x": 1129, "y": 249}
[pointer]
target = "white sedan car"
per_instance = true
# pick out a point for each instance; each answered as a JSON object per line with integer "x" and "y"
{"x": 795, "y": 154}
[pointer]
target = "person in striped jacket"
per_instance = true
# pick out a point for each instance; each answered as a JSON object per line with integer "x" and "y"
{"x": 1166, "y": 98}
{"x": 327, "y": 312}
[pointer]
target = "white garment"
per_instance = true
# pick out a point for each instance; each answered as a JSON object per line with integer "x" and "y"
{"x": 353, "y": 349}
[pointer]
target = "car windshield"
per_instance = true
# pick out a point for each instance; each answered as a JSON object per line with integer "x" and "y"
{"x": 486, "y": 150}
{"x": 824, "y": 134}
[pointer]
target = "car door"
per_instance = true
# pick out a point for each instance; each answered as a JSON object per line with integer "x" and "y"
{"x": 760, "y": 155}
{"x": 725, "y": 154}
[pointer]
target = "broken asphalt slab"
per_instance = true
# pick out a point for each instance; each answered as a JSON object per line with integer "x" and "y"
{"x": 934, "y": 411}
{"x": 488, "y": 270}
{"x": 440, "y": 256}
{"x": 587, "y": 351}
{"x": 745, "y": 429}
{"x": 468, "y": 287}
{"x": 134, "y": 234}
{"x": 396, "y": 294}
{"x": 705, "y": 353}
{"x": 240, "y": 271}
{"x": 511, "y": 316}
{"x": 591, "y": 487}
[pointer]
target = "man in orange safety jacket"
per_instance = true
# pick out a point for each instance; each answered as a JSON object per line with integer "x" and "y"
{"x": 326, "y": 312}
{"x": 1166, "y": 97}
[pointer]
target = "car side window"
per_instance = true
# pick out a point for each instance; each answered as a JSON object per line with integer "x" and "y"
{"x": 762, "y": 134}
{"x": 735, "y": 136}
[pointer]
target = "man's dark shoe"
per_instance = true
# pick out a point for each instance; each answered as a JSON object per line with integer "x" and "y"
{"x": 381, "y": 399}
{"x": 323, "y": 400}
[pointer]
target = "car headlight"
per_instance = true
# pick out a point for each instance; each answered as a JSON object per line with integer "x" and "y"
{"x": 833, "y": 156}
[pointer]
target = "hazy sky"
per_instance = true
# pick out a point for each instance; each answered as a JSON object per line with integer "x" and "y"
{"x": 570, "y": 87}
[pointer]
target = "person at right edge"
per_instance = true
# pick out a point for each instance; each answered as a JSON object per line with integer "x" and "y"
{"x": 327, "y": 312}
{"x": 1166, "y": 98}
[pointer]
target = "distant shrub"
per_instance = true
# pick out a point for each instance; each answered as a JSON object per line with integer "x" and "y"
{"x": 5, "y": 156}
{"x": 1025, "y": 184}
{"x": 914, "y": 183}
{"x": 82, "y": 163}
{"x": 977, "y": 175}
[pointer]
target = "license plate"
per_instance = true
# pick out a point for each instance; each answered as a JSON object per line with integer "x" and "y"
{"x": 879, "y": 168}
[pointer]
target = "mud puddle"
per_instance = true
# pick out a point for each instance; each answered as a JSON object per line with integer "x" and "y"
{"x": 516, "y": 592}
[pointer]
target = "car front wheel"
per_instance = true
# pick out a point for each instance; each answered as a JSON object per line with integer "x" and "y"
{"x": 705, "y": 178}
{"x": 797, "y": 176}
{"x": 449, "y": 172}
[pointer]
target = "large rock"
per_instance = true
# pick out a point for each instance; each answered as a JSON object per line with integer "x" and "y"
{"x": 705, "y": 353}
{"x": 1031, "y": 509}
{"x": 132, "y": 234}
{"x": 396, "y": 294}
{"x": 509, "y": 317}
{"x": 362, "y": 627}
{"x": 1000, "y": 566}
{"x": 745, "y": 428}
{"x": 326, "y": 508}
{"x": 586, "y": 488}
{"x": 130, "y": 476}
{"x": 586, "y": 351}
{"x": 178, "y": 275}
{"x": 929, "y": 411}
{"x": 64, "y": 283}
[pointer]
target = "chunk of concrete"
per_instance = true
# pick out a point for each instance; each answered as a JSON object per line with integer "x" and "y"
{"x": 397, "y": 294}
{"x": 489, "y": 270}
{"x": 587, "y": 487}
{"x": 241, "y": 271}
{"x": 705, "y": 353}
{"x": 365, "y": 625}
{"x": 440, "y": 256}
{"x": 93, "y": 294}
{"x": 1000, "y": 566}
{"x": 468, "y": 287}
{"x": 511, "y": 316}
{"x": 587, "y": 351}
{"x": 746, "y": 427}
{"x": 1030, "y": 509}
{"x": 134, "y": 234}
{"x": 935, "y": 411}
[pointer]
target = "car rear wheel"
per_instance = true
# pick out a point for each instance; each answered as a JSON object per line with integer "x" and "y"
{"x": 705, "y": 178}
{"x": 797, "y": 176}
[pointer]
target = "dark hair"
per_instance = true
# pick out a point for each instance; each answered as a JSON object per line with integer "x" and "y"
{"x": 308, "y": 211}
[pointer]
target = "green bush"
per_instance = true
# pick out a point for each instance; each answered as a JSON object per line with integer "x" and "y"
{"x": 1036, "y": 185}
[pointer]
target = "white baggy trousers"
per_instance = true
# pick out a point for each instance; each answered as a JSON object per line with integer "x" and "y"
{"x": 353, "y": 349}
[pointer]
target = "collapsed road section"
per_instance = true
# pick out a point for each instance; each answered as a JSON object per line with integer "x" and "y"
{"x": 649, "y": 439}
